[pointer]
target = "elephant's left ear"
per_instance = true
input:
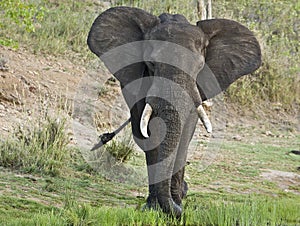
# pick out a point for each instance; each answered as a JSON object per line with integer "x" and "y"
{"x": 232, "y": 52}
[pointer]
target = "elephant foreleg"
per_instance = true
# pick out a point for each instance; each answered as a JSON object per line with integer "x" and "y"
{"x": 178, "y": 185}
{"x": 151, "y": 159}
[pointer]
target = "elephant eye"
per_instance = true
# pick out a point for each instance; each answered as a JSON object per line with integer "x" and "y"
{"x": 201, "y": 45}
{"x": 198, "y": 44}
{"x": 201, "y": 48}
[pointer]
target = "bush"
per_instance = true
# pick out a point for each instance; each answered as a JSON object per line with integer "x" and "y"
{"x": 22, "y": 13}
{"x": 122, "y": 149}
{"x": 64, "y": 26}
{"x": 41, "y": 149}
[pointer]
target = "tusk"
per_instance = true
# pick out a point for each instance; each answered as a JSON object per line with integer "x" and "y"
{"x": 204, "y": 118}
{"x": 145, "y": 120}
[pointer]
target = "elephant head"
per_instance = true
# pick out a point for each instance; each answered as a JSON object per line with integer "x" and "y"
{"x": 166, "y": 68}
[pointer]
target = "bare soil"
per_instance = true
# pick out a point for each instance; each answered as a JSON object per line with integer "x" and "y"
{"x": 283, "y": 179}
{"x": 29, "y": 82}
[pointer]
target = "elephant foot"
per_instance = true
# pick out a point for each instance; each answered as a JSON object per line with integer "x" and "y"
{"x": 151, "y": 204}
{"x": 185, "y": 188}
{"x": 168, "y": 206}
{"x": 180, "y": 194}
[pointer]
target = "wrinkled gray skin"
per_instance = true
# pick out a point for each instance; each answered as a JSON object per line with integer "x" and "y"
{"x": 230, "y": 51}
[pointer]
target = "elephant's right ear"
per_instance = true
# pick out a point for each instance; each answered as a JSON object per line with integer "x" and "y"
{"x": 117, "y": 27}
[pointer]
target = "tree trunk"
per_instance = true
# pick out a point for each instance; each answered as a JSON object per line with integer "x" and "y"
{"x": 209, "y": 9}
{"x": 201, "y": 9}
{"x": 204, "y": 9}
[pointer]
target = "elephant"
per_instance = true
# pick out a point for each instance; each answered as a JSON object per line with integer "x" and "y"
{"x": 166, "y": 68}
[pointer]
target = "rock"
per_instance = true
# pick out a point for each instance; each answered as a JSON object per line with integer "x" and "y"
{"x": 277, "y": 106}
{"x": 5, "y": 129}
{"x": 237, "y": 137}
{"x": 269, "y": 133}
{"x": 3, "y": 63}
{"x": 2, "y": 108}
{"x": 32, "y": 89}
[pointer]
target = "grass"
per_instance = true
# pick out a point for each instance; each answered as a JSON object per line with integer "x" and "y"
{"x": 229, "y": 192}
{"x": 123, "y": 148}
{"x": 239, "y": 165}
{"x": 276, "y": 28}
{"x": 42, "y": 148}
{"x": 199, "y": 210}
{"x": 63, "y": 26}
{"x": 43, "y": 181}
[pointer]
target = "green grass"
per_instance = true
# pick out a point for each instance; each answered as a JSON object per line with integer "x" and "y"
{"x": 239, "y": 164}
{"x": 63, "y": 26}
{"x": 123, "y": 148}
{"x": 229, "y": 192}
{"x": 37, "y": 148}
{"x": 199, "y": 210}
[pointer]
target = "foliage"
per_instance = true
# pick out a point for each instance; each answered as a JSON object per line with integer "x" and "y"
{"x": 156, "y": 7}
{"x": 64, "y": 26}
{"x": 224, "y": 194}
{"x": 22, "y": 13}
{"x": 227, "y": 210}
{"x": 41, "y": 148}
{"x": 9, "y": 42}
{"x": 122, "y": 149}
{"x": 63, "y": 32}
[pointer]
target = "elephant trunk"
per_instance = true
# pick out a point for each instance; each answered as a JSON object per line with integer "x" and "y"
{"x": 167, "y": 127}
{"x": 167, "y": 152}
{"x": 169, "y": 103}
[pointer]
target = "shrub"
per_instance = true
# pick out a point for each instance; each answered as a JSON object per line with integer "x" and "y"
{"x": 64, "y": 26}
{"x": 22, "y": 13}
{"x": 41, "y": 149}
{"x": 122, "y": 149}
